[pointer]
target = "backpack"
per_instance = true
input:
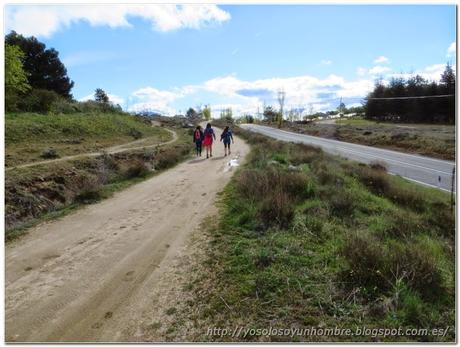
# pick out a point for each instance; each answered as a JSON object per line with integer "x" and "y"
{"x": 208, "y": 133}
{"x": 197, "y": 135}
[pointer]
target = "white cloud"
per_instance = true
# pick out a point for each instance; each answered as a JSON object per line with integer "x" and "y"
{"x": 248, "y": 96}
{"x": 361, "y": 71}
{"x": 430, "y": 73}
{"x": 300, "y": 91}
{"x": 44, "y": 20}
{"x": 152, "y": 99}
{"x": 452, "y": 50}
{"x": 378, "y": 70}
{"x": 326, "y": 62}
{"x": 381, "y": 60}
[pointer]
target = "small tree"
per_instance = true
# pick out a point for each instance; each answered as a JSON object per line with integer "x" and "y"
{"x": 270, "y": 115}
{"x": 281, "y": 98}
{"x": 227, "y": 114}
{"x": 207, "y": 113}
{"x": 448, "y": 79}
{"x": 101, "y": 96}
{"x": 15, "y": 76}
{"x": 342, "y": 108}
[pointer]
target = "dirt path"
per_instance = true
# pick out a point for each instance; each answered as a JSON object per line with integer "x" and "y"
{"x": 110, "y": 150}
{"x": 87, "y": 276}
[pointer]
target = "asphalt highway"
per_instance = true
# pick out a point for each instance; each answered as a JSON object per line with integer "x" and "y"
{"x": 423, "y": 170}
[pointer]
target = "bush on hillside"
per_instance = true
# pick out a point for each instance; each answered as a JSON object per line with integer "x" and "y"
{"x": 38, "y": 100}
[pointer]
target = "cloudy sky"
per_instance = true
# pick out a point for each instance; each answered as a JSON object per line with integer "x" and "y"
{"x": 167, "y": 58}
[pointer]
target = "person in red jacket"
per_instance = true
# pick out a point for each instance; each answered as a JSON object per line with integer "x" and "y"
{"x": 209, "y": 136}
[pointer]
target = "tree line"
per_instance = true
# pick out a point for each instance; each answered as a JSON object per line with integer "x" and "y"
{"x": 413, "y": 100}
{"x": 37, "y": 81}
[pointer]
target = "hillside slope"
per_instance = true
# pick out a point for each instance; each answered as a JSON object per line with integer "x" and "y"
{"x": 31, "y": 137}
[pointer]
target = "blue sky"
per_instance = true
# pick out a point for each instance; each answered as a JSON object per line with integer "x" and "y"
{"x": 168, "y": 58}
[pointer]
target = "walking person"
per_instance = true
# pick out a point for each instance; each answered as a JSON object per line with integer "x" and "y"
{"x": 209, "y": 136}
{"x": 226, "y": 137}
{"x": 198, "y": 137}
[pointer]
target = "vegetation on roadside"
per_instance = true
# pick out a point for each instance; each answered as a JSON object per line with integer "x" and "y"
{"x": 43, "y": 192}
{"x": 425, "y": 139}
{"x": 307, "y": 239}
{"x": 32, "y": 137}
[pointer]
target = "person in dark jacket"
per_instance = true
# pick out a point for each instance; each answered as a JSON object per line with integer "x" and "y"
{"x": 225, "y": 137}
{"x": 198, "y": 137}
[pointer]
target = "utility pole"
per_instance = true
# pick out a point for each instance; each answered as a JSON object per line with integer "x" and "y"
{"x": 281, "y": 97}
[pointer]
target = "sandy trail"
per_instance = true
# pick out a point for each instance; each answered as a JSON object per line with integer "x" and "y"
{"x": 130, "y": 146}
{"x": 87, "y": 276}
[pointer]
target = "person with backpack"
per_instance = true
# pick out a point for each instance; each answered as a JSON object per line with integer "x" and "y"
{"x": 209, "y": 136}
{"x": 226, "y": 136}
{"x": 198, "y": 137}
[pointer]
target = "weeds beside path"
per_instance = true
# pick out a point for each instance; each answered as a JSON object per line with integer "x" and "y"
{"x": 437, "y": 141}
{"x": 35, "y": 192}
{"x": 130, "y": 146}
{"x": 307, "y": 240}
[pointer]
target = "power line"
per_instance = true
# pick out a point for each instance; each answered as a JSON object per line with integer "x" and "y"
{"x": 412, "y": 97}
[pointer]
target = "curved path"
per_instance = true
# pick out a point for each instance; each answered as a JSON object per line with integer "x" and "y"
{"x": 110, "y": 150}
{"x": 90, "y": 275}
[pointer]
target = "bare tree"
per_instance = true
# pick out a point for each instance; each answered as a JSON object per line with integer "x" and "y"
{"x": 281, "y": 97}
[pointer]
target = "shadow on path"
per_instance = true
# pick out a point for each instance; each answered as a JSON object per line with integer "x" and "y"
{"x": 197, "y": 160}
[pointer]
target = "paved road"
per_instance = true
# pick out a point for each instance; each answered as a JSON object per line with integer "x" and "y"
{"x": 424, "y": 170}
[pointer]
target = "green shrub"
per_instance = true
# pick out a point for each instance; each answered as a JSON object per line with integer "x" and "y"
{"x": 90, "y": 190}
{"x": 38, "y": 100}
{"x": 49, "y": 153}
{"x": 277, "y": 209}
{"x": 342, "y": 203}
{"x": 64, "y": 106}
{"x": 377, "y": 266}
{"x": 301, "y": 154}
{"x": 374, "y": 178}
{"x": 136, "y": 134}
{"x": 135, "y": 168}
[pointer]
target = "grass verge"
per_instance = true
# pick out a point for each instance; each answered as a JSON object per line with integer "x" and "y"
{"x": 425, "y": 139}
{"x": 308, "y": 240}
{"x": 32, "y": 137}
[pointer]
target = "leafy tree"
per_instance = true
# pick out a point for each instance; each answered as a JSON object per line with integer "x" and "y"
{"x": 101, "y": 96}
{"x": 247, "y": 118}
{"x": 227, "y": 114}
{"x": 270, "y": 115}
{"x": 15, "y": 76}
{"x": 342, "y": 108}
{"x": 191, "y": 113}
{"x": 43, "y": 66}
{"x": 448, "y": 80}
{"x": 207, "y": 112}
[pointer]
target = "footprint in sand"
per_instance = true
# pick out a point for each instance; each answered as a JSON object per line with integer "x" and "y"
{"x": 129, "y": 276}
